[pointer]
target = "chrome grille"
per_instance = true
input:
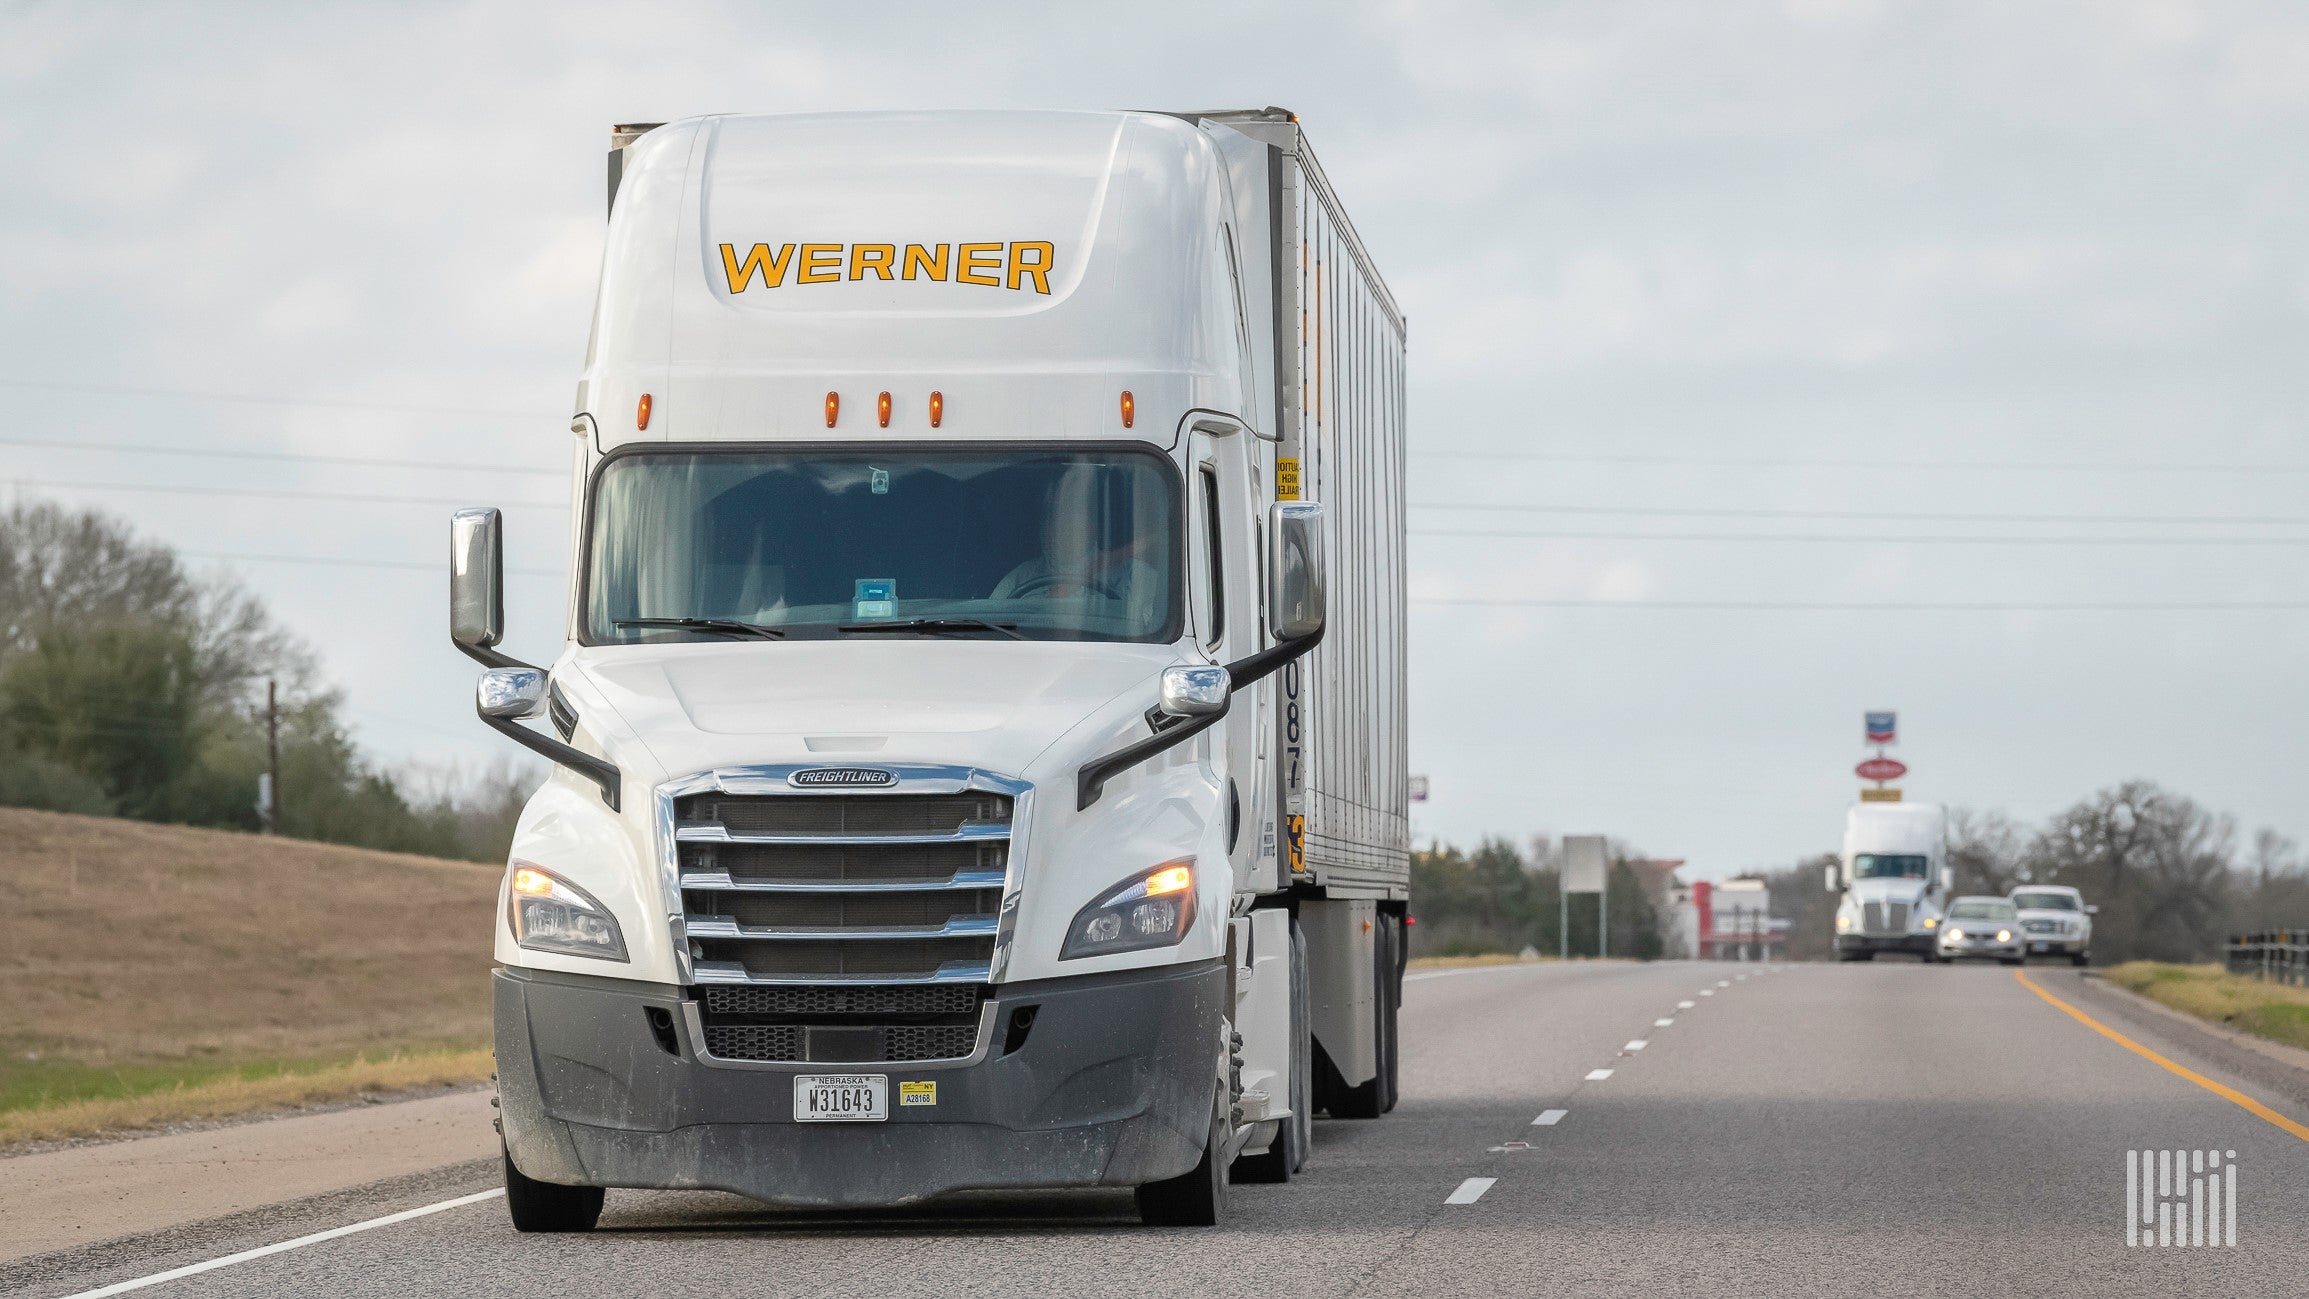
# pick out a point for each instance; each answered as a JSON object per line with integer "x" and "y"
{"x": 870, "y": 887}
{"x": 1885, "y": 918}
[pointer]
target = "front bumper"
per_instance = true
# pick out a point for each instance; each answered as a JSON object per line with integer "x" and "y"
{"x": 2053, "y": 945}
{"x": 1987, "y": 949}
{"x": 1112, "y": 1086}
{"x": 1919, "y": 944}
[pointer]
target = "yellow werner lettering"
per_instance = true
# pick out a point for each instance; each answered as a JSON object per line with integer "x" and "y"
{"x": 772, "y": 266}
{"x": 1018, "y": 265}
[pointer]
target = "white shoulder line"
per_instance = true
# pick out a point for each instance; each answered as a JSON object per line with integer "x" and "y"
{"x": 194, "y": 1269}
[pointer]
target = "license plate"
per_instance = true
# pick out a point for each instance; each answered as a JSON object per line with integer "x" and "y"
{"x": 2036, "y": 947}
{"x": 841, "y": 1098}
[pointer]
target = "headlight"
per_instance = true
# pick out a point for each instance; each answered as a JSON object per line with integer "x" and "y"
{"x": 1153, "y": 909}
{"x": 2004, "y": 935}
{"x": 550, "y": 914}
{"x": 1932, "y": 922}
{"x": 1843, "y": 922}
{"x": 1956, "y": 934}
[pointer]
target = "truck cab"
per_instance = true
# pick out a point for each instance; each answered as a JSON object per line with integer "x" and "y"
{"x": 977, "y": 735}
{"x": 1894, "y": 878}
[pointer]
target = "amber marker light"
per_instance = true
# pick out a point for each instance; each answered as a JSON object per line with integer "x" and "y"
{"x": 937, "y": 408}
{"x": 833, "y": 407}
{"x": 1170, "y": 879}
{"x": 1129, "y": 409}
{"x": 882, "y": 410}
{"x": 535, "y": 883}
{"x": 641, "y": 413}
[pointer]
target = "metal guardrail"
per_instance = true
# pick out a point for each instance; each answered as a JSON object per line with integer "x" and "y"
{"x": 2280, "y": 956}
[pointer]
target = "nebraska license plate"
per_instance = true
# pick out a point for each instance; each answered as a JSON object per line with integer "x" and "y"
{"x": 841, "y": 1097}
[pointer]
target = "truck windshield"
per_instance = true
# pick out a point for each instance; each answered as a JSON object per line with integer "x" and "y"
{"x": 1067, "y": 544}
{"x": 1884, "y": 866}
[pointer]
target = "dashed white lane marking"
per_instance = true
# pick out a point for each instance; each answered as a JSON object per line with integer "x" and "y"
{"x": 194, "y": 1269}
{"x": 1549, "y": 1118}
{"x": 1637, "y": 1045}
{"x": 1723, "y": 983}
{"x": 1686, "y": 1005}
{"x": 1707, "y": 992}
{"x": 1470, "y": 1190}
{"x": 1598, "y": 1075}
{"x": 1662, "y": 1023}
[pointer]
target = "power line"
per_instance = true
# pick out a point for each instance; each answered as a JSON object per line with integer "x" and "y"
{"x": 296, "y": 456}
{"x": 1864, "y": 538}
{"x": 255, "y": 399}
{"x": 1806, "y": 462}
{"x": 1956, "y": 606}
{"x": 1901, "y": 516}
{"x": 269, "y": 494}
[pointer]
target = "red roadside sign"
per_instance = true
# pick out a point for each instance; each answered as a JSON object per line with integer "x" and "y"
{"x": 1881, "y": 769}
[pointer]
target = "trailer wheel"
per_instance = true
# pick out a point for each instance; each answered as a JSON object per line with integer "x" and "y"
{"x": 549, "y": 1206}
{"x": 1197, "y": 1197}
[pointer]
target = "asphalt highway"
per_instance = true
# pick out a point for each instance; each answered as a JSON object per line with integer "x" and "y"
{"x": 1877, "y": 1128}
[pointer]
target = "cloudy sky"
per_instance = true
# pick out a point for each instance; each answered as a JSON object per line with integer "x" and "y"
{"x": 1820, "y": 355}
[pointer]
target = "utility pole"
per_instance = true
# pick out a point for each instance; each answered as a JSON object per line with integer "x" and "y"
{"x": 272, "y": 757}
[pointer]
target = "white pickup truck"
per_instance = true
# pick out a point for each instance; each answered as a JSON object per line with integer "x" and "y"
{"x": 2055, "y": 921}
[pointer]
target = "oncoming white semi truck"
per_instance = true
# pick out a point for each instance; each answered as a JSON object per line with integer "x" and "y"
{"x": 1894, "y": 877}
{"x": 979, "y": 737}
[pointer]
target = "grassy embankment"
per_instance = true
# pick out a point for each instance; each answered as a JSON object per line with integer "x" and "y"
{"x": 2271, "y": 1010}
{"x": 154, "y": 974}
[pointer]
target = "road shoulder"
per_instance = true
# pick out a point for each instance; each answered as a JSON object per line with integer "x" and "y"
{"x": 2279, "y": 1073}
{"x": 62, "y": 1199}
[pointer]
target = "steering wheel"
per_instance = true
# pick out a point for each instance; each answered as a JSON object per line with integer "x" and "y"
{"x": 1051, "y": 581}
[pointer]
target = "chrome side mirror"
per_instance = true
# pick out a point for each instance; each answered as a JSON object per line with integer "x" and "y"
{"x": 2092, "y": 911}
{"x": 511, "y": 694}
{"x": 476, "y": 579}
{"x": 1947, "y": 878}
{"x": 1835, "y": 880}
{"x": 1295, "y": 597}
{"x": 1195, "y": 690}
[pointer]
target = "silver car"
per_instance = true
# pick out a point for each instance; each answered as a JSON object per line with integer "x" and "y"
{"x": 1983, "y": 928}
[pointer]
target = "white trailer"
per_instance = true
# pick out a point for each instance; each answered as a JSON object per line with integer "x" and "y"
{"x": 979, "y": 740}
{"x": 1894, "y": 877}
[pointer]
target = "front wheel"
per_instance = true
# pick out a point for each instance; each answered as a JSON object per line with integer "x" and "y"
{"x": 2081, "y": 959}
{"x": 1197, "y": 1197}
{"x": 549, "y": 1206}
{"x": 2012, "y": 960}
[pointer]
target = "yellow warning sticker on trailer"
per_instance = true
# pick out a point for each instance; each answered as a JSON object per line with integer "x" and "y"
{"x": 917, "y": 1093}
{"x": 1286, "y": 478}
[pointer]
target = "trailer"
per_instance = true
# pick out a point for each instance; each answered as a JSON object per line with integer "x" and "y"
{"x": 979, "y": 739}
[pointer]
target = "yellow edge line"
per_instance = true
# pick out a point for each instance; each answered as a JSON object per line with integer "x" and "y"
{"x": 2229, "y": 1094}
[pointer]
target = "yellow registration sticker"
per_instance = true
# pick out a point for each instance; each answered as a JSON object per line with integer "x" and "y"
{"x": 917, "y": 1093}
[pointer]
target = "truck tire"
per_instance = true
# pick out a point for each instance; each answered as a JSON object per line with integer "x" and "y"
{"x": 1198, "y": 1196}
{"x": 2081, "y": 959}
{"x": 549, "y": 1206}
{"x": 1288, "y": 1154}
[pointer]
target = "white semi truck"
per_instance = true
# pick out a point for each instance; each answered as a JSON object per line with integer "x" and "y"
{"x": 979, "y": 738}
{"x": 1894, "y": 877}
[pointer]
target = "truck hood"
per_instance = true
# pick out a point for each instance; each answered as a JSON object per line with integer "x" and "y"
{"x": 994, "y": 705}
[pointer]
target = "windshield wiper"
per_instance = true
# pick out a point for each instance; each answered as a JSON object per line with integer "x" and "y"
{"x": 726, "y": 626}
{"x": 934, "y": 625}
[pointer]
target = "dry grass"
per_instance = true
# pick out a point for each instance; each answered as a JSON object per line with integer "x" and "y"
{"x": 2271, "y": 1010}
{"x": 1463, "y": 962}
{"x": 234, "y": 1095}
{"x": 140, "y": 958}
